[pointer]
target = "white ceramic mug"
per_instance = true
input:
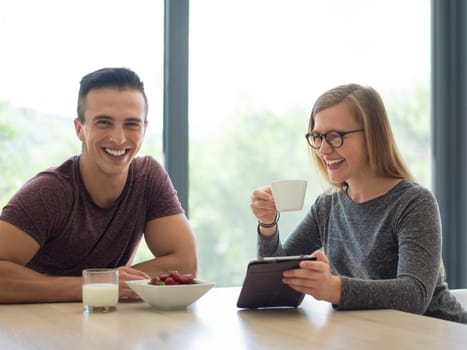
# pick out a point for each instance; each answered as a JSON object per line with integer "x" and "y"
{"x": 100, "y": 290}
{"x": 289, "y": 195}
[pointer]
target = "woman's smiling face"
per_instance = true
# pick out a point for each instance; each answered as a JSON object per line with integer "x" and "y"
{"x": 348, "y": 162}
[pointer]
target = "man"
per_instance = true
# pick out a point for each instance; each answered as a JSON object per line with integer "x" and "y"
{"x": 93, "y": 210}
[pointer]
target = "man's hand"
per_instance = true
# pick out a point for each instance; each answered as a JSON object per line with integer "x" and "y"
{"x": 126, "y": 273}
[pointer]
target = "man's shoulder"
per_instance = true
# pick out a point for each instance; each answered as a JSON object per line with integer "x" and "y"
{"x": 146, "y": 165}
{"x": 64, "y": 173}
{"x": 47, "y": 197}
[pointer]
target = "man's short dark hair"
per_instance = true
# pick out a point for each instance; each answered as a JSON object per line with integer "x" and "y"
{"x": 116, "y": 78}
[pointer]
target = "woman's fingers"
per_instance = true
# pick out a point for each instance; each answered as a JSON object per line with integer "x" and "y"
{"x": 262, "y": 204}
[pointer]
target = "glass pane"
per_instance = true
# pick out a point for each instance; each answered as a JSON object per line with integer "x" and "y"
{"x": 47, "y": 46}
{"x": 256, "y": 68}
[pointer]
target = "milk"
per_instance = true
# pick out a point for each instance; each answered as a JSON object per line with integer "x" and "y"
{"x": 100, "y": 294}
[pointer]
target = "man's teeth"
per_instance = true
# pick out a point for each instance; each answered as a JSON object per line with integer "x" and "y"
{"x": 115, "y": 153}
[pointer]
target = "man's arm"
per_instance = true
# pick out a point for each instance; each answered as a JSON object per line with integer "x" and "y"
{"x": 172, "y": 242}
{"x": 21, "y": 284}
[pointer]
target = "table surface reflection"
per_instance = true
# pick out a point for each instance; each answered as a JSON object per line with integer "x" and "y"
{"x": 214, "y": 322}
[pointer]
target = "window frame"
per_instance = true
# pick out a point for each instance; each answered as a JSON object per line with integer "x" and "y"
{"x": 448, "y": 119}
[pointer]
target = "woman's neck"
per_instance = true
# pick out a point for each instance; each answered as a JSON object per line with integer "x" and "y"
{"x": 371, "y": 188}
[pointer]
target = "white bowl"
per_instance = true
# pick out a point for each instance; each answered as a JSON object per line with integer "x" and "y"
{"x": 177, "y": 296}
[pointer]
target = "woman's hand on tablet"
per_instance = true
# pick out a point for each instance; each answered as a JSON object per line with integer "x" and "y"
{"x": 315, "y": 278}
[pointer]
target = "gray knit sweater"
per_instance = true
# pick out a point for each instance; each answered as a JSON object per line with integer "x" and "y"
{"x": 387, "y": 250}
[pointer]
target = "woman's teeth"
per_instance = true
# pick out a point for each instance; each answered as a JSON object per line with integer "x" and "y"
{"x": 332, "y": 162}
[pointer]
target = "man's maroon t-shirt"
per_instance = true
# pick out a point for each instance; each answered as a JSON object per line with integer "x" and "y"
{"x": 74, "y": 233}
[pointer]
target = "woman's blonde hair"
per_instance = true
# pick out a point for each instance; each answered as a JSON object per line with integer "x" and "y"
{"x": 369, "y": 110}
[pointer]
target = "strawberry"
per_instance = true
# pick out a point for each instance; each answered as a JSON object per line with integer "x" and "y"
{"x": 163, "y": 276}
{"x": 169, "y": 281}
{"x": 171, "y": 278}
{"x": 187, "y": 278}
{"x": 177, "y": 276}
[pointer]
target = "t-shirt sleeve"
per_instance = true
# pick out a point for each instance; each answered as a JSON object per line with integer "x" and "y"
{"x": 162, "y": 197}
{"x": 39, "y": 206}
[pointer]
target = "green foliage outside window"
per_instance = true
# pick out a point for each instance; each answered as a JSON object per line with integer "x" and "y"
{"x": 251, "y": 150}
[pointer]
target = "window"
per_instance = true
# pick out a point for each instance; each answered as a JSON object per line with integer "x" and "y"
{"x": 47, "y": 46}
{"x": 256, "y": 68}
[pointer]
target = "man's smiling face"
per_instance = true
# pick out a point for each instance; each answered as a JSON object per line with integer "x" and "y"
{"x": 113, "y": 129}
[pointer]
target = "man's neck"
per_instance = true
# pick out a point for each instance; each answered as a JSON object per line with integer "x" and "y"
{"x": 103, "y": 189}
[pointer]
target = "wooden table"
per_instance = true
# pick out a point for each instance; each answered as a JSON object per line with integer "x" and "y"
{"x": 214, "y": 322}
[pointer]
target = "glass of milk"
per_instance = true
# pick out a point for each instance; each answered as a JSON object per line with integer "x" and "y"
{"x": 100, "y": 290}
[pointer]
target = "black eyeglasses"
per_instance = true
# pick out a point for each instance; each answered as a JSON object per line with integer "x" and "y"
{"x": 334, "y": 138}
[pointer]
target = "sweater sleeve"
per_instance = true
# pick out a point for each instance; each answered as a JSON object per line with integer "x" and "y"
{"x": 304, "y": 239}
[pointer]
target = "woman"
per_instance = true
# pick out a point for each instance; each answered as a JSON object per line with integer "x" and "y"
{"x": 377, "y": 234}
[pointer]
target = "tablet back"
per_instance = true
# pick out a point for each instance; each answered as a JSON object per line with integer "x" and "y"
{"x": 263, "y": 285}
